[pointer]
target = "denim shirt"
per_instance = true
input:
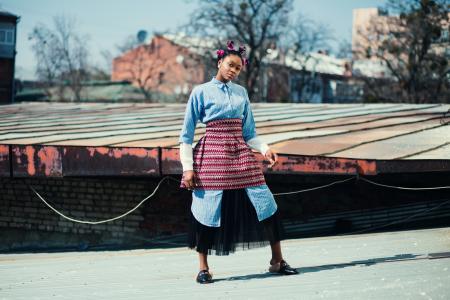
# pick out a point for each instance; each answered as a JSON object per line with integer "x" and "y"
{"x": 215, "y": 100}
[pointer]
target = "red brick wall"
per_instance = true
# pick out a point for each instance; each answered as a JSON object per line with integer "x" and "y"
{"x": 158, "y": 62}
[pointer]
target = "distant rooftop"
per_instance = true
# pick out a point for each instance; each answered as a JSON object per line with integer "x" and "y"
{"x": 312, "y": 62}
{"x": 4, "y": 13}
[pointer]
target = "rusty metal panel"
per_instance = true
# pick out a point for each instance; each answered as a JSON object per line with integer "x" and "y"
{"x": 5, "y": 167}
{"x": 57, "y": 161}
{"x": 321, "y": 165}
{"x": 106, "y": 161}
{"x": 170, "y": 161}
{"x": 294, "y": 164}
{"x": 410, "y": 166}
{"x": 36, "y": 160}
{"x": 287, "y": 164}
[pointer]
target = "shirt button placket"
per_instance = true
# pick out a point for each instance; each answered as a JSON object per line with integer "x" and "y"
{"x": 230, "y": 107}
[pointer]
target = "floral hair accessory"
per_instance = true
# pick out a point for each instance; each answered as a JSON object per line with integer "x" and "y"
{"x": 220, "y": 53}
{"x": 230, "y": 45}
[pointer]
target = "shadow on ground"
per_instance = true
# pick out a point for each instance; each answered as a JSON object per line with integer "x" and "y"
{"x": 367, "y": 263}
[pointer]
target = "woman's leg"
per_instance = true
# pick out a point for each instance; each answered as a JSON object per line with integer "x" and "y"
{"x": 203, "y": 261}
{"x": 203, "y": 276}
{"x": 277, "y": 256}
{"x": 278, "y": 264}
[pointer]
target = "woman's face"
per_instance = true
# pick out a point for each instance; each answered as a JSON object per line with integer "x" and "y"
{"x": 229, "y": 67}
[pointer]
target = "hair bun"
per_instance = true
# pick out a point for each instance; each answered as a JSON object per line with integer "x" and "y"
{"x": 230, "y": 45}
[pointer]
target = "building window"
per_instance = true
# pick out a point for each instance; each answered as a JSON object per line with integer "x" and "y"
{"x": 6, "y": 37}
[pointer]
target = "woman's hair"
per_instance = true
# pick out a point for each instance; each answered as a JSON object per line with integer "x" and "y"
{"x": 230, "y": 50}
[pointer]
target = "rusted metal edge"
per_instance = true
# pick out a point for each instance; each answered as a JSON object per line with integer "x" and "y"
{"x": 5, "y": 162}
{"x": 413, "y": 165}
{"x": 60, "y": 161}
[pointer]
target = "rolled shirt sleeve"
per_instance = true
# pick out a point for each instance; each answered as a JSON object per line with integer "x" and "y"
{"x": 186, "y": 157}
{"x": 258, "y": 145}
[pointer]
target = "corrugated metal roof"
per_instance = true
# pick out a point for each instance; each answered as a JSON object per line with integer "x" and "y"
{"x": 372, "y": 131}
{"x": 353, "y": 131}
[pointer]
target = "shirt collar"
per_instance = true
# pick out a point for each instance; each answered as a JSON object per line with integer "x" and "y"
{"x": 221, "y": 84}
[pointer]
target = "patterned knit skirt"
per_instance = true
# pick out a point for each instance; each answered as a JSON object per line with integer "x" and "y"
{"x": 223, "y": 161}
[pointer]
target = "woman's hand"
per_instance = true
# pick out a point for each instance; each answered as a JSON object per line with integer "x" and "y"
{"x": 272, "y": 157}
{"x": 189, "y": 179}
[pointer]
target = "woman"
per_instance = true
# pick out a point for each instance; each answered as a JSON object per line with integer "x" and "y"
{"x": 231, "y": 204}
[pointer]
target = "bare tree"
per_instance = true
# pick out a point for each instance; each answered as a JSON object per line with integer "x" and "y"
{"x": 256, "y": 23}
{"x": 305, "y": 38}
{"x": 142, "y": 65}
{"x": 102, "y": 69}
{"x": 130, "y": 42}
{"x": 344, "y": 49}
{"x": 61, "y": 56}
{"x": 409, "y": 43}
{"x": 47, "y": 69}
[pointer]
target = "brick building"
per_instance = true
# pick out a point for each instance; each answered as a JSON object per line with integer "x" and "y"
{"x": 161, "y": 65}
{"x": 8, "y": 25}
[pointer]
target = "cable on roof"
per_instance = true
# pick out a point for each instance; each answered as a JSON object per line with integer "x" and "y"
{"x": 315, "y": 188}
{"x": 96, "y": 222}
{"x": 176, "y": 180}
{"x": 405, "y": 188}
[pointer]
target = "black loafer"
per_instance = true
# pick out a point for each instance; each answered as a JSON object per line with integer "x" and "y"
{"x": 282, "y": 268}
{"x": 204, "y": 277}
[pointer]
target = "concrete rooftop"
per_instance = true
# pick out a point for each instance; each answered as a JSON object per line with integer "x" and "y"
{"x": 391, "y": 265}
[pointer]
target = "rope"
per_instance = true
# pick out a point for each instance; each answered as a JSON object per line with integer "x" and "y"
{"x": 176, "y": 180}
{"x": 97, "y": 222}
{"x": 405, "y": 188}
{"x": 315, "y": 188}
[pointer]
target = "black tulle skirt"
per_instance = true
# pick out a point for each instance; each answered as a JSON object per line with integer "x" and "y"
{"x": 239, "y": 227}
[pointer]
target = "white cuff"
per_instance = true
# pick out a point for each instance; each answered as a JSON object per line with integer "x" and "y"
{"x": 258, "y": 145}
{"x": 186, "y": 157}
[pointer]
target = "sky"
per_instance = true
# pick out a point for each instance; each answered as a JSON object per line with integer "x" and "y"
{"x": 108, "y": 22}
